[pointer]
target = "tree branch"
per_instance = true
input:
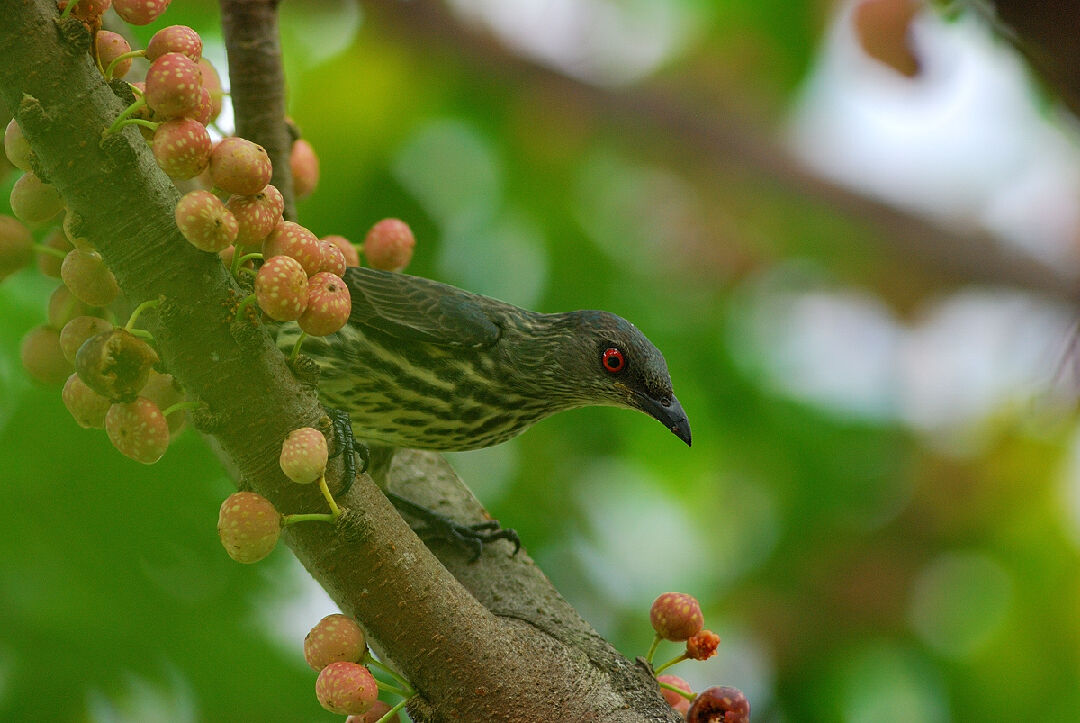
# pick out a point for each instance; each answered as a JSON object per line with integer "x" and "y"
{"x": 536, "y": 662}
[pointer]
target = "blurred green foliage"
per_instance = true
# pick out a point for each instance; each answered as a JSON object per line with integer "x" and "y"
{"x": 855, "y": 570}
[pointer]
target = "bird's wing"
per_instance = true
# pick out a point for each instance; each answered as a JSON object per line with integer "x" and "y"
{"x": 416, "y": 309}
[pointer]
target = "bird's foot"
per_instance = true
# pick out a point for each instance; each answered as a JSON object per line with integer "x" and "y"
{"x": 345, "y": 443}
{"x": 471, "y": 537}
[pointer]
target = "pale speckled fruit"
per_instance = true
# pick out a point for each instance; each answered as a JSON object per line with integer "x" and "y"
{"x": 389, "y": 245}
{"x": 138, "y": 430}
{"x": 256, "y": 215}
{"x": 173, "y": 85}
{"x": 86, "y": 406}
{"x": 346, "y": 688}
{"x": 329, "y": 305}
{"x": 676, "y": 616}
{"x": 291, "y": 239}
{"x": 182, "y": 148}
{"x": 281, "y": 288}
{"x": 211, "y": 82}
{"x": 374, "y": 714}
{"x": 140, "y": 12}
{"x": 333, "y": 260}
{"x": 352, "y": 257}
{"x": 304, "y": 455}
{"x": 175, "y": 39}
{"x": 88, "y": 278}
{"x": 205, "y": 222}
{"x": 248, "y": 526}
{"x": 77, "y": 331}
{"x": 335, "y": 638}
{"x": 240, "y": 166}
{"x": 109, "y": 46}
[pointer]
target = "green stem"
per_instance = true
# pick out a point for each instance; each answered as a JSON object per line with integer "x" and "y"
{"x": 152, "y": 303}
{"x": 121, "y": 58}
{"x": 668, "y": 664}
{"x": 390, "y": 688}
{"x": 142, "y": 334}
{"x": 307, "y": 517}
{"x": 152, "y": 125}
{"x": 685, "y": 694}
{"x": 181, "y": 406}
{"x": 43, "y": 249}
{"x": 369, "y": 659}
{"x": 242, "y": 309}
{"x": 125, "y": 114}
{"x": 67, "y": 10}
{"x": 334, "y": 509}
{"x": 246, "y": 270}
{"x": 652, "y": 648}
{"x": 393, "y": 711}
{"x": 296, "y": 347}
{"x": 248, "y": 257}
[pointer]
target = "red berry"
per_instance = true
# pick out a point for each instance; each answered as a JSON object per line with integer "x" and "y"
{"x": 109, "y": 46}
{"x": 86, "y": 406}
{"x": 346, "y": 688}
{"x": 162, "y": 390}
{"x": 275, "y": 199}
{"x": 374, "y": 714}
{"x": 17, "y": 147}
{"x": 175, "y": 39}
{"x": 33, "y": 201}
{"x": 248, "y": 526}
{"x": 205, "y": 222}
{"x": 16, "y": 246}
{"x": 719, "y": 703}
{"x": 680, "y": 703}
{"x": 77, "y": 331}
{"x": 204, "y": 111}
{"x": 281, "y": 288}
{"x": 389, "y": 245}
{"x": 89, "y": 11}
{"x": 173, "y": 85}
{"x": 240, "y": 166}
{"x": 333, "y": 260}
{"x": 140, "y": 12}
{"x": 334, "y": 639}
{"x": 291, "y": 239}
{"x": 42, "y": 357}
{"x": 88, "y": 278}
{"x": 305, "y": 168}
{"x": 138, "y": 430}
{"x": 676, "y": 616}
{"x": 211, "y": 82}
{"x": 257, "y": 216}
{"x": 703, "y": 645}
{"x": 328, "y": 306}
{"x": 304, "y": 455}
{"x": 49, "y": 264}
{"x": 182, "y": 148}
{"x": 352, "y": 258}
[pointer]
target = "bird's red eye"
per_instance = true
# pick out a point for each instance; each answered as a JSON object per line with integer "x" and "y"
{"x": 612, "y": 360}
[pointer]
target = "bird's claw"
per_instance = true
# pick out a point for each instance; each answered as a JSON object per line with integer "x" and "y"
{"x": 345, "y": 443}
{"x": 471, "y": 536}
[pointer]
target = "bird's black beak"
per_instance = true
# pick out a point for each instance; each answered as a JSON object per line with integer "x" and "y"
{"x": 669, "y": 412}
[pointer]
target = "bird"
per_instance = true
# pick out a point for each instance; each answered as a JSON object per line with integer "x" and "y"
{"x": 426, "y": 365}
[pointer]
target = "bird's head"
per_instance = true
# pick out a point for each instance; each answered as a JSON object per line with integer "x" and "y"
{"x": 610, "y": 362}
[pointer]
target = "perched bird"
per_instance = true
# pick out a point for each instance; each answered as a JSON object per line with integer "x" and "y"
{"x": 426, "y": 365}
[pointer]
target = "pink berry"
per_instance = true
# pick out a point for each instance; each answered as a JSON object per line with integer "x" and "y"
{"x": 332, "y": 258}
{"x": 719, "y": 703}
{"x": 329, "y": 305}
{"x": 109, "y": 46}
{"x": 77, "y": 331}
{"x": 211, "y": 82}
{"x": 248, "y": 526}
{"x": 173, "y": 85}
{"x": 334, "y": 639}
{"x": 680, "y": 703}
{"x": 352, "y": 258}
{"x": 676, "y": 616}
{"x": 204, "y": 111}
{"x": 182, "y": 148}
{"x": 291, "y": 239}
{"x": 281, "y": 288}
{"x": 346, "y": 688}
{"x": 17, "y": 147}
{"x": 175, "y": 39}
{"x": 702, "y": 645}
{"x": 389, "y": 245}
{"x": 86, "y": 406}
{"x": 16, "y": 246}
{"x": 33, "y": 201}
{"x": 162, "y": 390}
{"x": 88, "y": 278}
{"x": 240, "y": 166}
{"x": 257, "y": 216}
{"x": 274, "y": 199}
{"x": 140, "y": 12}
{"x": 49, "y": 264}
{"x": 138, "y": 430}
{"x": 42, "y": 357}
{"x": 205, "y": 222}
{"x": 305, "y": 168}
{"x": 304, "y": 455}
{"x": 374, "y": 714}
{"x": 89, "y": 11}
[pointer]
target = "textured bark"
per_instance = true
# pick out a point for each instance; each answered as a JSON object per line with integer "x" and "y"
{"x": 506, "y": 647}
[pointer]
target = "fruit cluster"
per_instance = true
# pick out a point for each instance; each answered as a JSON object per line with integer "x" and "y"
{"x": 677, "y": 616}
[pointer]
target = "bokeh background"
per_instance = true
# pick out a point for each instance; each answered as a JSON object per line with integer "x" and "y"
{"x": 860, "y": 278}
